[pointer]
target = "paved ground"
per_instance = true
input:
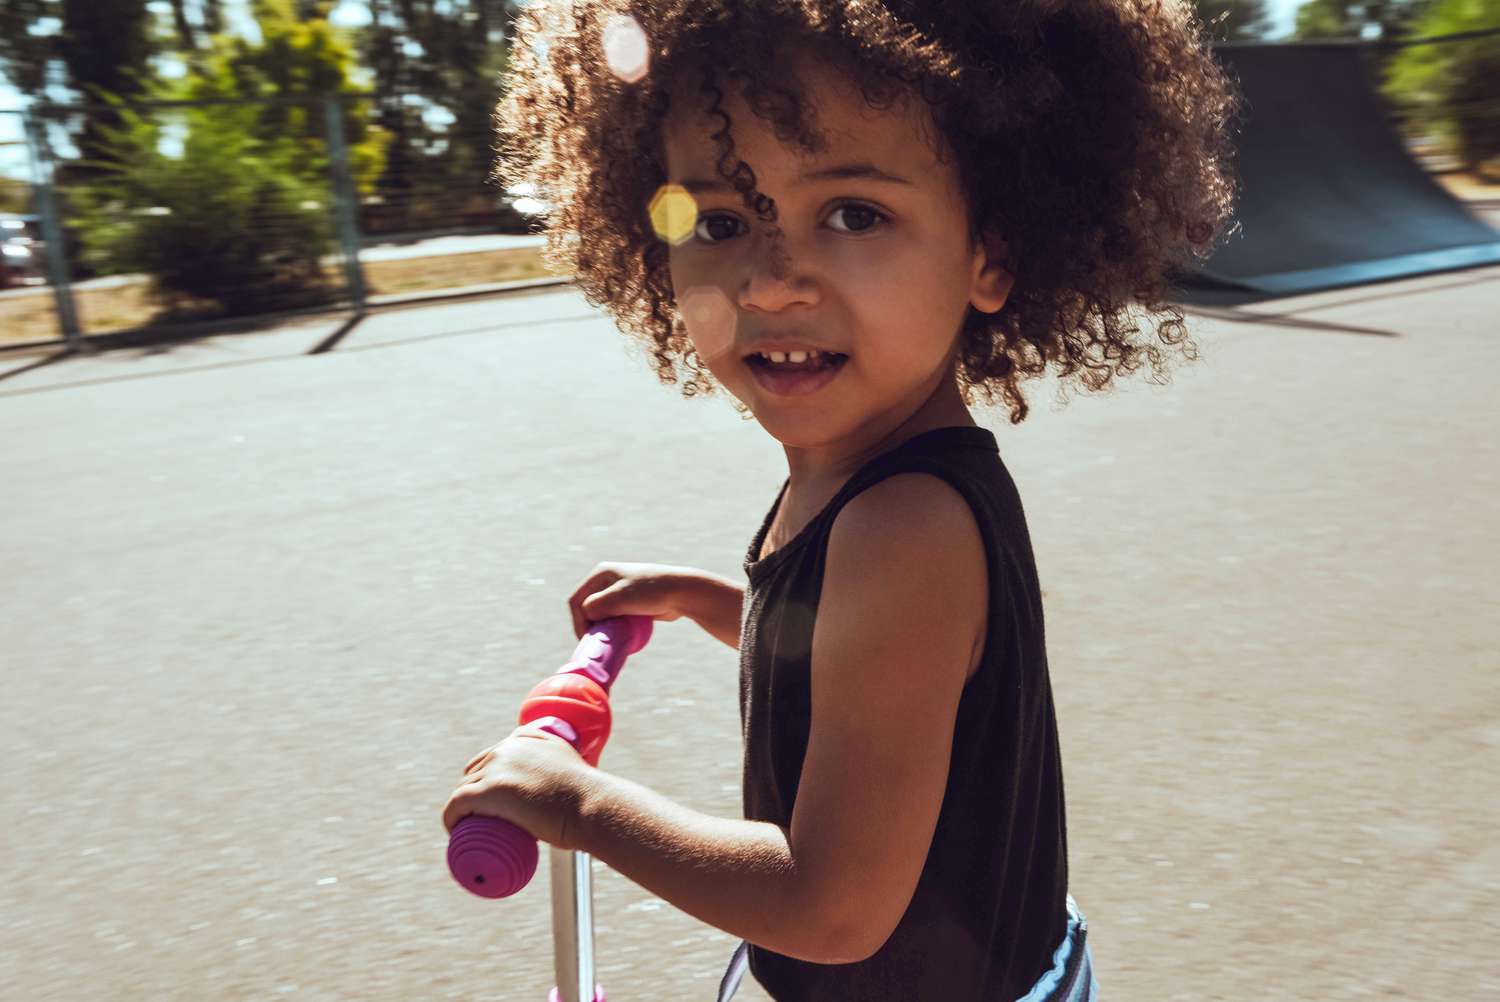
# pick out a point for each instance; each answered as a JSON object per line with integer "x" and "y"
{"x": 260, "y": 606}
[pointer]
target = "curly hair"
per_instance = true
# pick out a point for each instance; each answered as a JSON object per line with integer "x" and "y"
{"x": 1092, "y": 136}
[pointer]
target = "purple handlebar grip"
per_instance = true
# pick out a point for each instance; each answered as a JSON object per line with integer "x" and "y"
{"x": 602, "y": 651}
{"x": 490, "y": 856}
{"x": 495, "y": 858}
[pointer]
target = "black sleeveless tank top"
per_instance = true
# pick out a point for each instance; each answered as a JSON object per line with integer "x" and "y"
{"x": 990, "y": 905}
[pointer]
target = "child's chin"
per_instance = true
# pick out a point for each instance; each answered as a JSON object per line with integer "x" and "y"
{"x": 794, "y": 432}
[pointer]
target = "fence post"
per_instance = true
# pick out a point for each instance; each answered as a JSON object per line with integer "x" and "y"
{"x": 344, "y": 201}
{"x": 52, "y": 233}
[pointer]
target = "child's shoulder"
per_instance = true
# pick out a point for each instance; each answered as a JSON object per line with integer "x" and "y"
{"x": 909, "y": 547}
{"x": 910, "y": 504}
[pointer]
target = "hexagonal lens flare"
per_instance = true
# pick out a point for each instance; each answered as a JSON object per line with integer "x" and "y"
{"x": 626, "y": 48}
{"x": 711, "y": 320}
{"x": 674, "y": 214}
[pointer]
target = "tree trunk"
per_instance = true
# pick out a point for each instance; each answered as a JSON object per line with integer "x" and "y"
{"x": 186, "y": 37}
{"x": 106, "y": 46}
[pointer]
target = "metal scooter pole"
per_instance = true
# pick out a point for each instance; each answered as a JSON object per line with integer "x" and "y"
{"x": 573, "y": 927}
{"x": 494, "y": 858}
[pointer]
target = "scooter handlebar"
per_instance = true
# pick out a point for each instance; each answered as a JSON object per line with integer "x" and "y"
{"x": 495, "y": 858}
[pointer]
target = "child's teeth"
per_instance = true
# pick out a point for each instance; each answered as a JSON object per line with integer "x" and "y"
{"x": 796, "y": 357}
{"x": 778, "y": 356}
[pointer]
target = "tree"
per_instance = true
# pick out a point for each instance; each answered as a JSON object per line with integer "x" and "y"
{"x": 189, "y": 18}
{"x": 437, "y": 66}
{"x": 1234, "y": 20}
{"x": 230, "y": 219}
{"x": 24, "y": 53}
{"x": 92, "y": 47}
{"x": 187, "y": 34}
{"x": 293, "y": 59}
{"x": 229, "y": 200}
{"x": 106, "y": 46}
{"x": 15, "y": 195}
{"x": 1385, "y": 19}
{"x": 1452, "y": 89}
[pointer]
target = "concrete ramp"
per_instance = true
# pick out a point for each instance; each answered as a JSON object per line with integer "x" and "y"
{"x": 1330, "y": 195}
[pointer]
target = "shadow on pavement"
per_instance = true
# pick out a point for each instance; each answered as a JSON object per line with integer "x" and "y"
{"x": 56, "y": 356}
{"x": 331, "y": 341}
{"x": 1225, "y": 303}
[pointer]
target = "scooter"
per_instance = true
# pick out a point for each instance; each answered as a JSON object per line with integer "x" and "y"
{"x": 494, "y": 858}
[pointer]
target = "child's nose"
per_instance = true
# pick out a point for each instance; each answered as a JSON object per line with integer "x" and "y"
{"x": 775, "y": 280}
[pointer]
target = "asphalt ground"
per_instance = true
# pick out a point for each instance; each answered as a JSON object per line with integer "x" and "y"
{"x": 260, "y": 606}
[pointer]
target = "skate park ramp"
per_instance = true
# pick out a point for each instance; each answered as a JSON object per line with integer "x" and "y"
{"x": 1330, "y": 197}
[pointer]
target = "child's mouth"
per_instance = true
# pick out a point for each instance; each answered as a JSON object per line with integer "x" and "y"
{"x": 797, "y": 378}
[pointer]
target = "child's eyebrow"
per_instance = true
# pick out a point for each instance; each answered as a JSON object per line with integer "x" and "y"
{"x": 841, "y": 172}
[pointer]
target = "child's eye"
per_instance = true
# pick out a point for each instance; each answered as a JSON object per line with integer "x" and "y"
{"x": 715, "y": 228}
{"x": 859, "y": 218}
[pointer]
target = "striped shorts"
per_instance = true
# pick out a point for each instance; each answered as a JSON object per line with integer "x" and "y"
{"x": 1069, "y": 979}
{"x": 1071, "y": 976}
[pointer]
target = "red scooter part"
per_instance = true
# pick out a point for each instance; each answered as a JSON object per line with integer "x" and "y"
{"x": 494, "y": 858}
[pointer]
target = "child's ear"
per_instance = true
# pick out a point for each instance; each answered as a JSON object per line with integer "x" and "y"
{"x": 992, "y": 280}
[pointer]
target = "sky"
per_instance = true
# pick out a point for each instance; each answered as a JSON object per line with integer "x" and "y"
{"x": 351, "y": 13}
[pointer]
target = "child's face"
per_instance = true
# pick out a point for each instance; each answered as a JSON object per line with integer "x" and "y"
{"x": 881, "y": 271}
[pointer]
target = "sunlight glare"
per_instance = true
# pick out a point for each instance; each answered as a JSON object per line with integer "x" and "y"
{"x": 710, "y": 319}
{"x": 674, "y": 214}
{"x": 626, "y": 48}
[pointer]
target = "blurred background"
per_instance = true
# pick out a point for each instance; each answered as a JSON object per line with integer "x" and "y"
{"x": 212, "y": 158}
{"x": 166, "y": 163}
{"x": 277, "y": 562}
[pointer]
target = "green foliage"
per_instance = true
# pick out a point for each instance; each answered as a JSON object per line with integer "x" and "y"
{"x": 104, "y": 46}
{"x": 1234, "y": 20}
{"x": 15, "y": 195}
{"x": 437, "y": 68}
{"x": 100, "y": 47}
{"x": 1474, "y": 101}
{"x": 186, "y": 28}
{"x": 23, "y": 55}
{"x": 1452, "y": 90}
{"x": 232, "y": 219}
{"x": 1354, "y": 19}
{"x": 294, "y": 59}
{"x": 229, "y": 201}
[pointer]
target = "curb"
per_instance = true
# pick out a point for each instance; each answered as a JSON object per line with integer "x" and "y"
{"x": 163, "y": 333}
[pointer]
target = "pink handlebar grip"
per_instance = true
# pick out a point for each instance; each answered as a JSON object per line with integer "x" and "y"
{"x": 494, "y": 858}
{"x": 602, "y": 651}
{"x": 490, "y": 856}
{"x": 555, "y": 996}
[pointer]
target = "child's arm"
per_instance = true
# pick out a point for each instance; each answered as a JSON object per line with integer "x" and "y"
{"x": 902, "y": 612}
{"x": 660, "y": 591}
{"x": 716, "y": 604}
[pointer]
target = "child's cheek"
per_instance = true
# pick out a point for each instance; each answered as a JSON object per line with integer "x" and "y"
{"x": 711, "y": 321}
{"x": 883, "y": 281}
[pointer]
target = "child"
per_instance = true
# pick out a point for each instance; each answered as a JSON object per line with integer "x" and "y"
{"x": 857, "y": 217}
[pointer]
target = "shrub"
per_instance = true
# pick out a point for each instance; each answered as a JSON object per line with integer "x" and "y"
{"x": 1451, "y": 90}
{"x": 210, "y": 212}
{"x": 1474, "y": 97}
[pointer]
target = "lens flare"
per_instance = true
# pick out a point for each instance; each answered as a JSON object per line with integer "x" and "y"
{"x": 674, "y": 214}
{"x": 710, "y": 319}
{"x": 626, "y": 49}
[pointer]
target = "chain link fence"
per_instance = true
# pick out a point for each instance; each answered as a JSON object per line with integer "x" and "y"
{"x": 176, "y": 214}
{"x": 168, "y": 215}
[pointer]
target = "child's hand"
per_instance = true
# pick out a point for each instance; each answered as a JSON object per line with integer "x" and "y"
{"x": 616, "y": 589}
{"x": 532, "y": 778}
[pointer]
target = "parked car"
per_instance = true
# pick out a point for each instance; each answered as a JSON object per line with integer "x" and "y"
{"x": 20, "y": 250}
